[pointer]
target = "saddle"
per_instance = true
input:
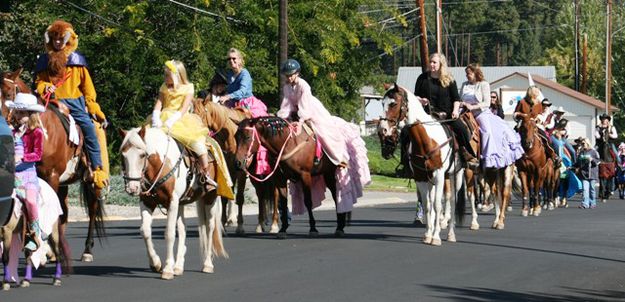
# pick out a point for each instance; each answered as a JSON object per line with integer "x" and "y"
{"x": 307, "y": 127}
{"x": 474, "y": 130}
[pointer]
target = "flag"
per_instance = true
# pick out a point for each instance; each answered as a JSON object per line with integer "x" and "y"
{"x": 541, "y": 97}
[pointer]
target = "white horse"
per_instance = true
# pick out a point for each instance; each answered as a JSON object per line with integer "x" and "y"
{"x": 152, "y": 159}
{"x": 431, "y": 157}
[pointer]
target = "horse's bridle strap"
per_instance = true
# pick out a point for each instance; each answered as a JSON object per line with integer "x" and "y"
{"x": 165, "y": 177}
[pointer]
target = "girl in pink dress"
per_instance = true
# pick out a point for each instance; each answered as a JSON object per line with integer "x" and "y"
{"x": 340, "y": 140}
{"x": 28, "y": 138}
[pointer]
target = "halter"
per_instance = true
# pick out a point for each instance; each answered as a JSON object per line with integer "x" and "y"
{"x": 249, "y": 155}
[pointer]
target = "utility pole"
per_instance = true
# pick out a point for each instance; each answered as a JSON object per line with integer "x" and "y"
{"x": 439, "y": 26}
{"x": 608, "y": 57}
{"x": 284, "y": 41}
{"x": 584, "y": 88}
{"x": 576, "y": 8}
{"x": 469, "y": 50}
{"x": 425, "y": 56}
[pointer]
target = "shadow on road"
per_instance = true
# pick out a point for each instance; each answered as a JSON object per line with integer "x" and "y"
{"x": 475, "y": 294}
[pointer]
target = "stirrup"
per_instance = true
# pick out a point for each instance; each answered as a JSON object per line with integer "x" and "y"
{"x": 208, "y": 183}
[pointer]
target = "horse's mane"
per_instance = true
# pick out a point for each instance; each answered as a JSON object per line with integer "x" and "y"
{"x": 133, "y": 138}
{"x": 154, "y": 141}
{"x": 415, "y": 108}
{"x": 271, "y": 125}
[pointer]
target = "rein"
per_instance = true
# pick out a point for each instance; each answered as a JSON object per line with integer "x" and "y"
{"x": 255, "y": 136}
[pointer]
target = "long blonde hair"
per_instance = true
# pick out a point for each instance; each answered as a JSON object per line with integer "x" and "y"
{"x": 34, "y": 121}
{"x": 178, "y": 72}
{"x": 444, "y": 75}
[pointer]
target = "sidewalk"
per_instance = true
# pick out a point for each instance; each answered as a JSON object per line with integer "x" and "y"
{"x": 116, "y": 212}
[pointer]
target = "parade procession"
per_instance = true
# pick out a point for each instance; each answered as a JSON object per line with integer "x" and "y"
{"x": 364, "y": 150}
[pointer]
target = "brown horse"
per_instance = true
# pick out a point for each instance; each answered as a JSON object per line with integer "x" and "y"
{"x": 295, "y": 155}
{"x": 223, "y": 122}
{"x": 532, "y": 165}
{"x": 63, "y": 163}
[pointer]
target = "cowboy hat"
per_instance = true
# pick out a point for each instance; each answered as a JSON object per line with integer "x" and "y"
{"x": 546, "y": 102}
{"x": 605, "y": 116}
{"x": 559, "y": 109}
{"x": 579, "y": 140}
{"x": 562, "y": 123}
{"x": 25, "y": 101}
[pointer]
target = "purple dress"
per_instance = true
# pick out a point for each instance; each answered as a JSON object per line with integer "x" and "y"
{"x": 501, "y": 145}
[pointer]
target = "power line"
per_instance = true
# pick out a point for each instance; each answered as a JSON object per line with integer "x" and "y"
{"x": 91, "y": 13}
{"x": 507, "y": 30}
{"x": 204, "y": 11}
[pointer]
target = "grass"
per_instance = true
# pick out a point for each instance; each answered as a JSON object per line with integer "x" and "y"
{"x": 377, "y": 164}
{"x": 391, "y": 184}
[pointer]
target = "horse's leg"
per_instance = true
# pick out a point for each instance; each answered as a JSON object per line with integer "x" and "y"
{"x": 456, "y": 189}
{"x": 424, "y": 191}
{"x": 170, "y": 237}
{"x": 55, "y": 244}
{"x": 537, "y": 190}
{"x": 262, "y": 206}
{"x": 92, "y": 208}
{"x": 146, "y": 232}
{"x": 447, "y": 195}
{"x": 471, "y": 193}
{"x": 281, "y": 194}
{"x": 7, "y": 239}
{"x": 182, "y": 246}
{"x": 274, "y": 195}
{"x": 330, "y": 181}
{"x": 211, "y": 242}
{"x": 241, "y": 182}
{"x": 306, "y": 186}
{"x": 525, "y": 193}
{"x": 438, "y": 207}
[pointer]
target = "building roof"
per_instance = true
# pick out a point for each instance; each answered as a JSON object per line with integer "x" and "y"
{"x": 407, "y": 76}
{"x": 559, "y": 88}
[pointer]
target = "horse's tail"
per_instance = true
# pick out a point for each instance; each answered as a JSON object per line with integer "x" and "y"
{"x": 461, "y": 202}
{"x": 94, "y": 205}
{"x": 65, "y": 252}
{"x": 218, "y": 244}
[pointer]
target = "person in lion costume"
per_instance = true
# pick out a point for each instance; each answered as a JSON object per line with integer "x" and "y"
{"x": 62, "y": 74}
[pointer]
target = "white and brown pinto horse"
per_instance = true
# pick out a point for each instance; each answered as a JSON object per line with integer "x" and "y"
{"x": 431, "y": 160}
{"x": 155, "y": 170}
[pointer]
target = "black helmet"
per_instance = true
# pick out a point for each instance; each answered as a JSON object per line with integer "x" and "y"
{"x": 290, "y": 67}
{"x": 605, "y": 116}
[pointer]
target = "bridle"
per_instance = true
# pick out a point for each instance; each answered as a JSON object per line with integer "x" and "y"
{"x": 249, "y": 155}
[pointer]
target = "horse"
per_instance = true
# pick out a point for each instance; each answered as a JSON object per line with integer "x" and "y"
{"x": 14, "y": 229}
{"x": 223, "y": 122}
{"x": 531, "y": 166}
{"x": 607, "y": 166}
{"x": 294, "y": 154}
{"x": 62, "y": 164}
{"x": 431, "y": 160}
{"x": 154, "y": 170}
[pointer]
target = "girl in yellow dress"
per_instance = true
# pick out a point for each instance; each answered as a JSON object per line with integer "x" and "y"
{"x": 171, "y": 113}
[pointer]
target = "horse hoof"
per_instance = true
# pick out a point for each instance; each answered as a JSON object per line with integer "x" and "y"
{"x": 339, "y": 234}
{"x": 25, "y": 283}
{"x": 427, "y": 240}
{"x": 86, "y": 257}
{"x": 281, "y": 235}
{"x": 274, "y": 229}
{"x": 436, "y": 242}
{"x": 167, "y": 276}
{"x": 56, "y": 282}
{"x": 475, "y": 227}
{"x": 208, "y": 269}
{"x": 259, "y": 229}
{"x": 451, "y": 238}
{"x": 500, "y": 226}
{"x": 444, "y": 225}
{"x": 156, "y": 269}
{"x": 509, "y": 209}
{"x": 524, "y": 213}
{"x": 604, "y": 200}
{"x": 494, "y": 226}
{"x": 313, "y": 234}
{"x": 6, "y": 286}
{"x": 178, "y": 271}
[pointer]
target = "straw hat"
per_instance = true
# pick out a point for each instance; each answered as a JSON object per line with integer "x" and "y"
{"x": 25, "y": 101}
{"x": 559, "y": 109}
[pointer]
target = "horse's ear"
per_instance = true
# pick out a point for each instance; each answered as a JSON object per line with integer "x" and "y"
{"x": 142, "y": 132}
{"x": 122, "y": 132}
{"x": 387, "y": 86}
{"x": 16, "y": 74}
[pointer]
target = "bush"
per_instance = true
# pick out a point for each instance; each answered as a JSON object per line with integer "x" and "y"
{"x": 377, "y": 164}
{"x": 117, "y": 194}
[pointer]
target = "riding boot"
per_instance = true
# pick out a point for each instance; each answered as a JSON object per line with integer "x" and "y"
{"x": 33, "y": 241}
{"x": 469, "y": 159}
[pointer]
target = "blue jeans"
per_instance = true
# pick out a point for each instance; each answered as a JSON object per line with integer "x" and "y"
{"x": 78, "y": 111}
{"x": 589, "y": 193}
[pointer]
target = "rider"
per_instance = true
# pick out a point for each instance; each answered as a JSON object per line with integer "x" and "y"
{"x": 29, "y": 139}
{"x": 62, "y": 72}
{"x": 439, "y": 94}
{"x": 501, "y": 146}
{"x": 216, "y": 88}
{"x": 606, "y": 132}
{"x": 174, "y": 99}
{"x": 569, "y": 184}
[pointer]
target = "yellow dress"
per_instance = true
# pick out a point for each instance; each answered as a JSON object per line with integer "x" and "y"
{"x": 189, "y": 129}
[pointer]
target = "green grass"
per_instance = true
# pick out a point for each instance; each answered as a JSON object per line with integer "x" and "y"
{"x": 391, "y": 184}
{"x": 377, "y": 164}
{"x": 117, "y": 194}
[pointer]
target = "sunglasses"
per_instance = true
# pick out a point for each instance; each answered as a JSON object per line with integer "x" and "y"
{"x": 493, "y": 96}
{"x": 231, "y": 59}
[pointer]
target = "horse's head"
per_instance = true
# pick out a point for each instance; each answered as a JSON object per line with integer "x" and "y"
{"x": 134, "y": 158}
{"x": 268, "y": 131}
{"x": 527, "y": 130}
{"x": 395, "y": 110}
{"x": 9, "y": 87}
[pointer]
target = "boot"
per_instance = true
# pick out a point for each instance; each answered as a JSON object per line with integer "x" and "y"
{"x": 470, "y": 160}
{"x": 100, "y": 178}
{"x": 208, "y": 182}
{"x": 33, "y": 239}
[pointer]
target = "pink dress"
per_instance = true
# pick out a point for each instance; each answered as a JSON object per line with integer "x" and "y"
{"x": 340, "y": 140}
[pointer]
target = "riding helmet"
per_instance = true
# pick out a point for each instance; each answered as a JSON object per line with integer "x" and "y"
{"x": 290, "y": 67}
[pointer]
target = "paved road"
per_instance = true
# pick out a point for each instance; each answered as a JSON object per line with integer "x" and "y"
{"x": 564, "y": 255}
